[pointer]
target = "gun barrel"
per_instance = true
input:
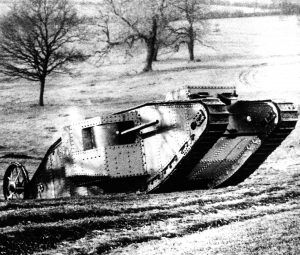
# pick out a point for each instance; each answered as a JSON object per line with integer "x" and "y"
{"x": 138, "y": 128}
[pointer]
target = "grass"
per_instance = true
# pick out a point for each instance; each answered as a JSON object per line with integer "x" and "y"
{"x": 97, "y": 224}
{"x": 254, "y": 236}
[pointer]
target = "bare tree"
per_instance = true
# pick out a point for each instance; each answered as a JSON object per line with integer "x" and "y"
{"x": 131, "y": 21}
{"x": 189, "y": 28}
{"x": 36, "y": 38}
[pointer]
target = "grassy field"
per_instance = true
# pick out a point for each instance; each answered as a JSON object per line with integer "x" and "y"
{"x": 259, "y": 216}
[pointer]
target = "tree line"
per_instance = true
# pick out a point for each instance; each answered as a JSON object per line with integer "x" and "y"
{"x": 38, "y": 36}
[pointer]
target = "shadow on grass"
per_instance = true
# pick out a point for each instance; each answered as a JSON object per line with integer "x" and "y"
{"x": 29, "y": 239}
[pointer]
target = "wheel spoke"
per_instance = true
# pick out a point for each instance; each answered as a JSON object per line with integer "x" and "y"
{"x": 15, "y": 181}
{"x": 13, "y": 173}
{"x": 18, "y": 174}
{"x": 19, "y": 182}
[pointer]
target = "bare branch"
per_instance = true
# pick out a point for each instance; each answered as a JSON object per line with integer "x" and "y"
{"x": 35, "y": 38}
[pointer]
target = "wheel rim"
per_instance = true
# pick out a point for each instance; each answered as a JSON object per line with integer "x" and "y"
{"x": 15, "y": 181}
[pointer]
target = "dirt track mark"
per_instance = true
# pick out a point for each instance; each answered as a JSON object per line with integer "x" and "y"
{"x": 20, "y": 156}
{"x": 72, "y": 211}
{"x": 248, "y": 77}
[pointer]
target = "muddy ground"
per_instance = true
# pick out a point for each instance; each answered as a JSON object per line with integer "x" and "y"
{"x": 261, "y": 56}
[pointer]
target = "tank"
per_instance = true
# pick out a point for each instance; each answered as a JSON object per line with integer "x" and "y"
{"x": 198, "y": 138}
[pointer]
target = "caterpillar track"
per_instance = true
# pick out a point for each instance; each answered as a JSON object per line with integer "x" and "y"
{"x": 287, "y": 122}
{"x": 232, "y": 159}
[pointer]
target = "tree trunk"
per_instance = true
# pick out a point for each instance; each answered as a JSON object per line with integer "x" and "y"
{"x": 150, "y": 44}
{"x": 191, "y": 50}
{"x": 42, "y": 89}
{"x": 191, "y": 43}
{"x": 155, "y": 53}
{"x": 149, "y": 58}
